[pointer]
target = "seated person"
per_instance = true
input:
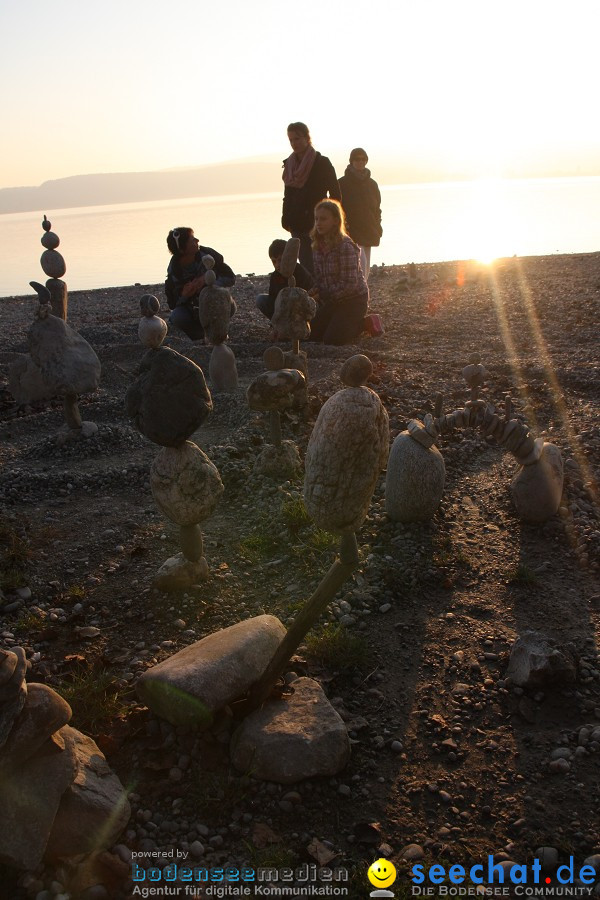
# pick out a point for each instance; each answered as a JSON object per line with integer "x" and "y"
{"x": 340, "y": 288}
{"x": 185, "y": 279}
{"x": 266, "y": 302}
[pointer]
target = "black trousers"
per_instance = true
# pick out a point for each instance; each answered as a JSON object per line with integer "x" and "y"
{"x": 339, "y": 323}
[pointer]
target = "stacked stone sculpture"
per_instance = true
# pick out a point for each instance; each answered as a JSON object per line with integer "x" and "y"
{"x": 168, "y": 401}
{"x": 152, "y": 329}
{"x": 59, "y": 797}
{"x": 415, "y": 481}
{"x": 416, "y": 474}
{"x": 60, "y": 362}
{"x": 215, "y": 308}
{"x": 347, "y": 450}
{"x": 294, "y": 308}
{"x": 53, "y": 264}
{"x": 273, "y": 391}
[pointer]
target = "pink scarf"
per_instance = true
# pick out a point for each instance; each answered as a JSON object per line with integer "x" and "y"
{"x": 296, "y": 171}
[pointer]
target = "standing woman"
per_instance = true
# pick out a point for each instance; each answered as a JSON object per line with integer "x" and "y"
{"x": 362, "y": 205}
{"x": 340, "y": 287}
{"x": 308, "y": 178}
{"x": 185, "y": 279}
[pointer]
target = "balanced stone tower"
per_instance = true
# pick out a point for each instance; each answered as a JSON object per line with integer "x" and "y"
{"x": 168, "y": 401}
{"x": 274, "y": 391}
{"x": 60, "y": 362}
{"x": 53, "y": 264}
{"x": 216, "y": 307}
{"x": 347, "y": 450}
{"x": 294, "y": 308}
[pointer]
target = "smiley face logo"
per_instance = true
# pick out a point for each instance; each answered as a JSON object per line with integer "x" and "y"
{"x": 381, "y": 873}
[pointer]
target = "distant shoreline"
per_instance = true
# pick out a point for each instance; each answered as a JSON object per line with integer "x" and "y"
{"x": 158, "y": 288}
{"x": 229, "y": 180}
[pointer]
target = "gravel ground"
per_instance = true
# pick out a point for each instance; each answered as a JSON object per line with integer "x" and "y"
{"x": 449, "y": 761}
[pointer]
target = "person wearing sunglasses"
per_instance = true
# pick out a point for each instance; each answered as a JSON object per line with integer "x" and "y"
{"x": 185, "y": 279}
{"x": 362, "y": 205}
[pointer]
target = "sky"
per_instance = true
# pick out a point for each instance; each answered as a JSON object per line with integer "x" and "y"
{"x": 478, "y": 87}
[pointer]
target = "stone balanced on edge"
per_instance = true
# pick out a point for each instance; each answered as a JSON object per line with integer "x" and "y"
{"x": 168, "y": 401}
{"x": 294, "y": 308}
{"x": 274, "y": 391}
{"x": 215, "y": 308}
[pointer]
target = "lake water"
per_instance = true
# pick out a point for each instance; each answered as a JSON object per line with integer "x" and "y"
{"x": 109, "y": 246}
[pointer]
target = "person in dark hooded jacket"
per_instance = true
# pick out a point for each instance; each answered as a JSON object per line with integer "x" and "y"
{"x": 362, "y": 206}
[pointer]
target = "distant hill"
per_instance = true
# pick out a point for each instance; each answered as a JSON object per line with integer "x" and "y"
{"x": 244, "y": 176}
{"x": 129, "y": 187}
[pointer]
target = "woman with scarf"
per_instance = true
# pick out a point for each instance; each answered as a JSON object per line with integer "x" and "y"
{"x": 362, "y": 205}
{"x": 308, "y": 178}
{"x": 340, "y": 288}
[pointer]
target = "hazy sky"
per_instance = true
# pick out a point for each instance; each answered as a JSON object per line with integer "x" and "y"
{"x": 130, "y": 85}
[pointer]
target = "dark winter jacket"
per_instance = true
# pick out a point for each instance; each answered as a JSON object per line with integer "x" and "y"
{"x": 177, "y": 276}
{"x": 278, "y": 282}
{"x": 299, "y": 203}
{"x": 362, "y": 205}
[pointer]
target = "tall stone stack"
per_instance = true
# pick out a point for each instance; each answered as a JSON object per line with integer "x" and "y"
{"x": 215, "y": 308}
{"x": 53, "y": 264}
{"x": 347, "y": 450}
{"x": 168, "y": 401}
{"x": 60, "y": 362}
{"x": 294, "y": 308}
{"x": 274, "y": 391}
{"x": 59, "y": 797}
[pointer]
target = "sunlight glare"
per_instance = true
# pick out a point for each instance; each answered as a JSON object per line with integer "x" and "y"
{"x": 485, "y": 221}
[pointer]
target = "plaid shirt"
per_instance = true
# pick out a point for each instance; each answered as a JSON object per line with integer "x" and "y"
{"x": 338, "y": 274}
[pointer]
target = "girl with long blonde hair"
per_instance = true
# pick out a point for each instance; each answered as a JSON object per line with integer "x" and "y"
{"x": 340, "y": 287}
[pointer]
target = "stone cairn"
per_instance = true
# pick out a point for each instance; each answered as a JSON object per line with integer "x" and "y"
{"x": 53, "y": 264}
{"x": 347, "y": 450}
{"x": 168, "y": 401}
{"x": 60, "y": 362}
{"x": 294, "y": 308}
{"x": 415, "y": 478}
{"x": 274, "y": 391}
{"x": 59, "y": 797}
{"x": 215, "y": 308}
{"x": 298, "y": 735}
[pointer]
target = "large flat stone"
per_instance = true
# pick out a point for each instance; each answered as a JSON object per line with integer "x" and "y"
{"x": 189, "y": 687}
{"x": 296, "y": 737}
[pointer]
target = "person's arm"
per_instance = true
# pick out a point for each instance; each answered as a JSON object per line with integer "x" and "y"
{"x": 333, "y": 185}
{"x": 350, "y": 281}
{"x": 304, "y": 278}
{"x": 171, "y": 293}
{"x": 378, "y": 209}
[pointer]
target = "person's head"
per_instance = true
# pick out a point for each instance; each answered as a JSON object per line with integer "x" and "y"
{"x": 276, "y": 252}
{"x": 181, "y": 241}
{"x": 358, "y": 159}
{"x": 299, "y": 137}
{"x": 330, "y": 225}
